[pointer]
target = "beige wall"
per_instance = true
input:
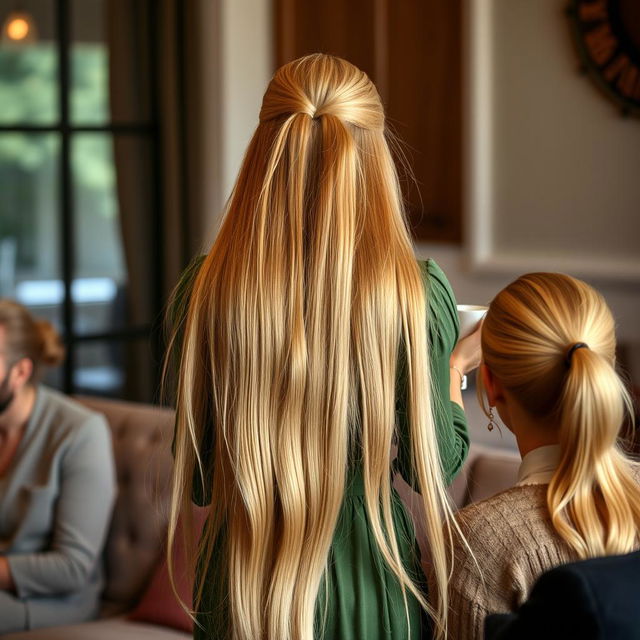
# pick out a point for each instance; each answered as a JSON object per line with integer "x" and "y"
{"x": 237, "y": 61}
{"x": 560, "y": 162}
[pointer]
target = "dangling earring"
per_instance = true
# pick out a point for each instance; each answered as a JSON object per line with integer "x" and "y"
{"x": 492, "y": 422}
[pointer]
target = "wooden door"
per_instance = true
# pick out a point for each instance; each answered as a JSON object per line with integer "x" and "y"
{"x": 412, "y": 51}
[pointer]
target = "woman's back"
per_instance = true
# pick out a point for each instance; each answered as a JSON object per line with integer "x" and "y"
{"x": 364, "y": 597}
{"x": 513, "y": 541}
{"x": 289, "y": 359}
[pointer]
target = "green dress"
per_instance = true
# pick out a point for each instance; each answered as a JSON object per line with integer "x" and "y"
{"x": 364, "y": 598}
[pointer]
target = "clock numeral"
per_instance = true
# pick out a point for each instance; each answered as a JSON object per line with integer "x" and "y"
{"x": 616, "y": 67}
{"x": 601, "y": 43}
{"x": 594, "y": 11}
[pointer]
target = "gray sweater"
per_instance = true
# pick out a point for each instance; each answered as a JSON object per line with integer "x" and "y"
{"x": 55, "y": 507}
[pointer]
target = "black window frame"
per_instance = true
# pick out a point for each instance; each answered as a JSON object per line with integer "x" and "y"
{"x": 66, "y": 130}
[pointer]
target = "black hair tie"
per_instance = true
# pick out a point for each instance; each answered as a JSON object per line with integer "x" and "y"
{"x": 577, "y": 345}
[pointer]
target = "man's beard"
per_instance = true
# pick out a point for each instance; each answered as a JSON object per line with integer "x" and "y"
{"x": 6, "y": 395}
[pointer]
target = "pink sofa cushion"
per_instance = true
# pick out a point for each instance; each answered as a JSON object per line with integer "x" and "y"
{"x": 159, "y": 604}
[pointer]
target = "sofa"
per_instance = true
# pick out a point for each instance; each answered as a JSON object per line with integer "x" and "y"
{"x": 134, "y": 550}
{"x": 141, "y": 437}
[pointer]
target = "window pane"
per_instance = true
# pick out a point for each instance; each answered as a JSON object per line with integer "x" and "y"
{"x": 28, "y": 63}
{"x": 54, "y": 377}
{"x": 99, "y": 369}
{"x": 89, "y": 64}
{"x": 113, "y": 279}
{"x": 110, "y": 61}
{"x": 116, "y": 369}
{"x": 30, "y": 223}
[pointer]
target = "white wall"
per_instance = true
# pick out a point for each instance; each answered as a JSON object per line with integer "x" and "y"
{"x": 237, "y": 61}
{"x": 565, "y": 159}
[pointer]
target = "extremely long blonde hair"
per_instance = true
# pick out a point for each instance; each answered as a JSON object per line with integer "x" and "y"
{"x": 291, "y": 341}
{"x": 550, "y": 340}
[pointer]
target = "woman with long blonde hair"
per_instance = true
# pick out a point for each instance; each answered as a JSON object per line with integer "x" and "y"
{"x": 548, "y": 344}
{"x": 310, "y": 341}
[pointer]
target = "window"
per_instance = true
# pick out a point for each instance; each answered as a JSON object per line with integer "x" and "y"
{"x": 80, "y": 216}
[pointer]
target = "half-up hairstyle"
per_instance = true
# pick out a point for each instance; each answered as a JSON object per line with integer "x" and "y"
{"x": 550, "y": 340}
{"x": 289, "y": 353}
{"x": 28, "y": 337}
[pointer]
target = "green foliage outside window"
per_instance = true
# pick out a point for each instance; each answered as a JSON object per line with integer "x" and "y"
{"x": 29, "y": 162}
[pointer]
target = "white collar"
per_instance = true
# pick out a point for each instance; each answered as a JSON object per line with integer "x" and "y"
{"x": 539, "y": 465}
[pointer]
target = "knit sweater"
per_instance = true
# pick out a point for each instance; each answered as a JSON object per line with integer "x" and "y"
{"x": 513, "y": 542}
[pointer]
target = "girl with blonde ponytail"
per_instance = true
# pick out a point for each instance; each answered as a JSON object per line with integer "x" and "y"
{"x": 310, "y": 340}
{"x": 548, "y": 344}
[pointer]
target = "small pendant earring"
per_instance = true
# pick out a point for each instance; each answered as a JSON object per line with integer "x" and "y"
{"x": 492, "y": 422}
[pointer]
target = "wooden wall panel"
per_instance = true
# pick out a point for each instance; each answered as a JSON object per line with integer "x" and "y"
{"x": 343, "y": 28}
{"x": 425, "y": 108}
{"x": 412, "y": 50}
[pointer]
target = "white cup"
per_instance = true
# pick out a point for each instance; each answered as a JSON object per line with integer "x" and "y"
{"x": 469, "y": 316}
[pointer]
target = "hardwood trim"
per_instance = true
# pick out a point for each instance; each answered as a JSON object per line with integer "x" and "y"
{"x": 381, "y": 52}
{"x": 285, "y": 28}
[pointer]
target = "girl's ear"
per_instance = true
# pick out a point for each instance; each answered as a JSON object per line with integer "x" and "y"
{"x": 492, "y": 386}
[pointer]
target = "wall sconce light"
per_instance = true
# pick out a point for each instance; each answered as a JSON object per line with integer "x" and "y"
{"x": 19, "y": 27}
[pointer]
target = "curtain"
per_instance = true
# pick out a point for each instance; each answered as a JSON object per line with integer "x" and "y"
{"x": 154, "y": 80}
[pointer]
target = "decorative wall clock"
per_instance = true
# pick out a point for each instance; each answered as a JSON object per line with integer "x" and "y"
{"x": 607, "y": 35}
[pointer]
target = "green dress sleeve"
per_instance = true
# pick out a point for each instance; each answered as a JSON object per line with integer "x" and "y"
{"x": 450, "y": 421}
{"x": 201, "y": 494}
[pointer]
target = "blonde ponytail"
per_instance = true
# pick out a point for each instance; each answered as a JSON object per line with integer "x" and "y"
{"x": 594, "y": 499}
{"x": 550, "y": 339}
{"x": 291, "y": 341}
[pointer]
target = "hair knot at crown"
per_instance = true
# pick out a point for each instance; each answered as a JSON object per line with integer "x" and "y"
{"x": 321, "y": 85}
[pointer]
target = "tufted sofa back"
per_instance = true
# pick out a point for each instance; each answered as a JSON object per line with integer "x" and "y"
{"x": 141, "y": 436}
